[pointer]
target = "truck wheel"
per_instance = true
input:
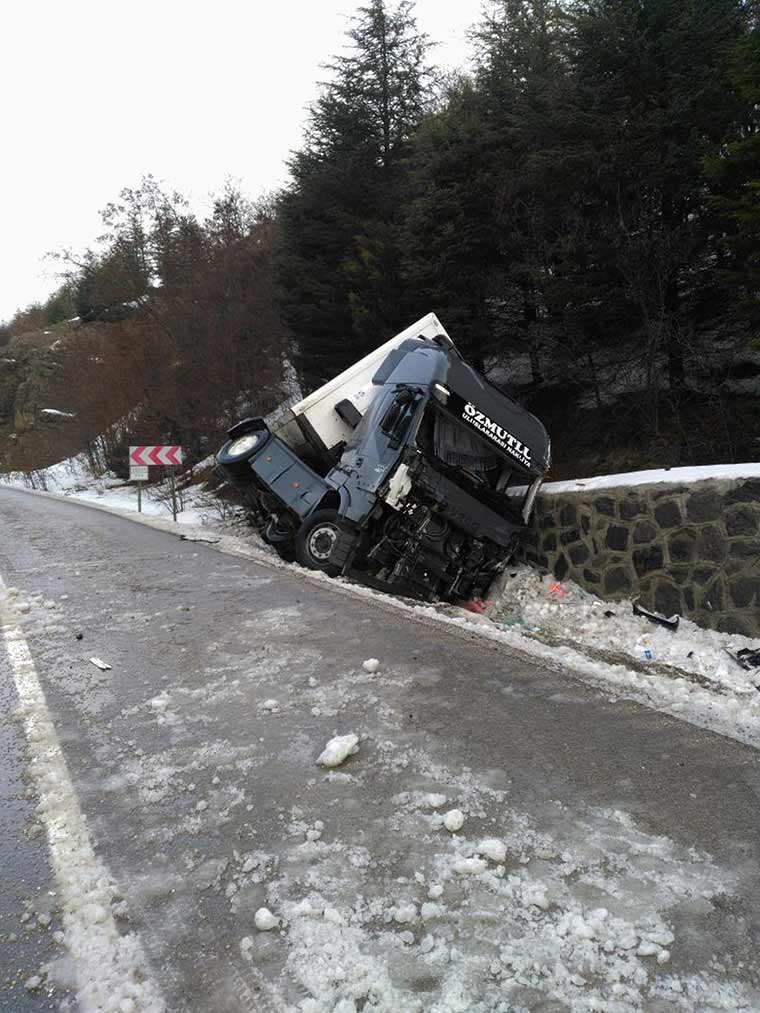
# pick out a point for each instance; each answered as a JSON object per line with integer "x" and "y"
{"x": 315, "y": 540}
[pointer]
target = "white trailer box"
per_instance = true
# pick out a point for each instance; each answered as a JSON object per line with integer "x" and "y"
{"x": 354, "y": 384}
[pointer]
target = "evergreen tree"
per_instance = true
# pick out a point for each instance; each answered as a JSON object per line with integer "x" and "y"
{"x": 339, "y": 258}
{"x": 734, "y": 172}
{"x": 653, "y": 99}
{"x": 480, "y": 218}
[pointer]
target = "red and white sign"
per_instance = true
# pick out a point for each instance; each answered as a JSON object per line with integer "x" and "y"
{"x": 155, "y": 455}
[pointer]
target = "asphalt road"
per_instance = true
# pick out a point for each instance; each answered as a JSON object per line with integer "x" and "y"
{"x": 193, "y": 760}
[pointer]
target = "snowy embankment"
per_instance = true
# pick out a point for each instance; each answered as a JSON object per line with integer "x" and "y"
{"x": 695, "y": 473}
{"x": 687, "y": 673}
{"x": 73, "y": 477}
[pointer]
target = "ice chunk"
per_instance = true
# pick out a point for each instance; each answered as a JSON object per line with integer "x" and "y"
{"x": 470, "y": 866}
{"x": 430, "y": 910}
{"x": 453, "y": 820}
{"x": 493, "y": 849}
{"x": 268, "y": 705}
{"x": 339, "y": 749}
{"x": 404, "y": 913}
{"x": 435, "y": 801}
{"x": 371, "y": 665}
{"x": 265, "y": 920}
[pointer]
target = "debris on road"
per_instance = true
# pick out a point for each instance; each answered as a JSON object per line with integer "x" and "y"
{"x": 99, "y": 663}
{"x": 270, "y": 705}
{"x": 669, "y": 622}
{"x": 79, "y": 635}
{"x": 747, "y": 658}
{"x": 210, "y": 539}
{"x": 338, "y": 749}
{"x": 371, "y": 665}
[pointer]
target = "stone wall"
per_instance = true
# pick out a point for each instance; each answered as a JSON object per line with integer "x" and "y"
{"x": 687, "y": 549}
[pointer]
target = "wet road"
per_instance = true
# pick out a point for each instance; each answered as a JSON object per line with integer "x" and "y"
{"x": 620, "y": 863}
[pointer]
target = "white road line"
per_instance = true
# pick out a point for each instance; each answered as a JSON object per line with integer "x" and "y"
{"x": 112, "y": 972}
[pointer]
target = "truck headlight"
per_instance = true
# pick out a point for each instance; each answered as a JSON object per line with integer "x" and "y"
{"x": 242, "y": 445}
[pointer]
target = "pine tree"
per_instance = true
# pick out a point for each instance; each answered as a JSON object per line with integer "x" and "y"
{"x": 339, "y": 275}
{"x": 653, "y": 99}
{"x": 734, "y": 172}
{"x": 483, "y": 198}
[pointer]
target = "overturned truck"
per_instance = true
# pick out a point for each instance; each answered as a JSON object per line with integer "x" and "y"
{"x": 408, "y": 472}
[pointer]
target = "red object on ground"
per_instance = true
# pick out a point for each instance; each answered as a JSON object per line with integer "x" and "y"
{"x": 476, "y": 605}
{"x": 557, "y": 591}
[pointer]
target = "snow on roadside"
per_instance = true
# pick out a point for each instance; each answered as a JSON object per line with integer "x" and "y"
{"x": 72, "y": 477}
{"x": 688, "y": 670}
{"x": 694, "y": 473}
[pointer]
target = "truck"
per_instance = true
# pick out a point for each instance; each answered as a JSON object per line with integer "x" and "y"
{"x": 408, "y": 472}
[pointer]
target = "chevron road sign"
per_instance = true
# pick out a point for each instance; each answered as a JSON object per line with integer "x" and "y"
{"x": 155, "y": 455}
{"x": 140, "y": 459}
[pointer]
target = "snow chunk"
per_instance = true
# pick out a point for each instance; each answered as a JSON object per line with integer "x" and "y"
{"x": 430, "y": 910}
{"x": 338, "y": 749}
{"x": 493, "y": 849}
{"x": 268, "y": 705}
{"x": 265, "y": 920}
{"x": 371, "y": 665}
{"x": 160, "y": 702}
{"x": 453, "y": 820}
{"x": 404, "y": 913}
{"x": 435, "y": 801}
{"x": 470, "y": 866}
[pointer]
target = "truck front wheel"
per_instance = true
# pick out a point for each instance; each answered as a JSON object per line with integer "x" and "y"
{"x": 315, "y": 540}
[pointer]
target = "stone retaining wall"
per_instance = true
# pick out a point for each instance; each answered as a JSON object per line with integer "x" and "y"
{"x": 687, "y": 549}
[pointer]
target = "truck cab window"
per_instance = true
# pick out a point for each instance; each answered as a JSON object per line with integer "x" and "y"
{"x": 398, "y": 416}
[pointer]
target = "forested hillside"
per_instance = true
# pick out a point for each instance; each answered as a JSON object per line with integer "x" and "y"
{"x": 581, "y": 209}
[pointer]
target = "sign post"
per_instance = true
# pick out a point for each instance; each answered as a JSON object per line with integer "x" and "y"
{"x": 138, "y": 473}
{"x": 174, "y": 496}
{"x": 140, "y": 459}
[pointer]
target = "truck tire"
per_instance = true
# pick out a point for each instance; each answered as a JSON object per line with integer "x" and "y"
{"x": 315, "y": 540}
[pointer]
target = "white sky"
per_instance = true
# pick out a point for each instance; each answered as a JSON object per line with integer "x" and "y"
{"x": 97, "y": 94}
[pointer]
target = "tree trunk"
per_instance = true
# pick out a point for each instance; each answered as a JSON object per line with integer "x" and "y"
{"x": 676, "y": 371}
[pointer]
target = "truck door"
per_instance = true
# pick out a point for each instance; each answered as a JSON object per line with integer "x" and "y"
{"x": 384, "y": 441}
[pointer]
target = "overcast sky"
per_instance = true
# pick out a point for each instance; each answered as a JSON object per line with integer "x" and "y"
{"x": 97, "y": 94}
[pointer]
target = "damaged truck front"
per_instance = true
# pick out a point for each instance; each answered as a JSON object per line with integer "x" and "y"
{"x": 408, "y": 472}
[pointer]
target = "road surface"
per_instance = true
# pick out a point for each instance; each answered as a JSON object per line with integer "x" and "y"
{"x": 607, "y": 858}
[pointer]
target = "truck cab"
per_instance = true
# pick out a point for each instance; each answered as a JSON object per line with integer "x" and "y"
{"x": 409, "y": 472}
